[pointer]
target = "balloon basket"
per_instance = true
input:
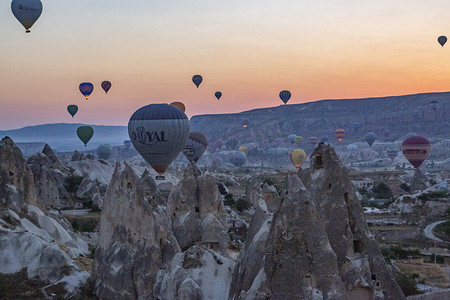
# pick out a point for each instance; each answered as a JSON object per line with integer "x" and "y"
{"x": 160, "y": 177}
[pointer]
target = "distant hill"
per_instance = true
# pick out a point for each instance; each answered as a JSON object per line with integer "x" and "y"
{"x": 63, "y": 137}
{"x": 269, "y": 127}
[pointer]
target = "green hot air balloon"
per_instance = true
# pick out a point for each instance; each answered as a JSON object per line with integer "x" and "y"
{"x": 72, "y": 109}
{"x": 85, "y": 134}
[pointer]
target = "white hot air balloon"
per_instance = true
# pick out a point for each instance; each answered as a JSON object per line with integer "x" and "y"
{"x": 27, "y": 12}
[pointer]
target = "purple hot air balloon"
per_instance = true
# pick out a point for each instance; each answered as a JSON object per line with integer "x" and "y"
{"x": 106, "y": 85}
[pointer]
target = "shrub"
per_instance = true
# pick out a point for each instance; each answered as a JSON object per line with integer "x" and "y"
{"x": 433, "y": 195}
{"x": 398, "y": 252}
{"x": 382, "y": 190}
{"x": 242, "y": 204}
{"x": 229, "y": 200}
{"x": 222, "y": 189}
{"x": 407, "y": 283}
{"x": 72, "y": 183}
{"x": 405, "y": 187}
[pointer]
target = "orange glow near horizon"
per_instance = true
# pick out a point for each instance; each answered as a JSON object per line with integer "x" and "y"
{"x": 150, "y": 51}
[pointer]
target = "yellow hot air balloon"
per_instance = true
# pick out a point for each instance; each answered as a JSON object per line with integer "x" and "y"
{"x": 297, "y": 156}
{"x": 243, "y": 148}
{"x": 179, "y": 105}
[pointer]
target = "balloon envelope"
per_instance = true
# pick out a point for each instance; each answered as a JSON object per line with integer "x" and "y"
{"x": 386, "y": 133}
{"x": 232, "y": 143}
{"x": 179, "y": 105}
{"x": 285, "y": 96}
{"x": 392, "y": 153}
{"x": 85, "y": 133}
{"x": 370, "y": 138}
{"x": 416, "y": 150}
{"x": 297, "y": 156}
{"x": 104, "y": 151}
{"x": 245, "y": 122}
{"x": 356, "y": 126}
{"x": 197, "y": 80}
{"x": 218, "y": 95}
{"x": 195, "y": 146}
{"x": 291, "y": 138}
{"x": 26, "y": 11}
{"x": 298, "y": 140}
{"x": 159, "y": 132}
{"x": 313, "y": 140}
{"x": 340, "y": 133}
{"x": 410, "y": 134}
{"x": 127, "y": 144}
{"x": 86, "y": 89}
{"x": 442, "y": 40}
{"x": 352, "y": 148}
{"x": 243, "y": 148}
{"x": 72, "y": 109}
{"x": 238, "y": 158}
{"x": 106, "y": 85}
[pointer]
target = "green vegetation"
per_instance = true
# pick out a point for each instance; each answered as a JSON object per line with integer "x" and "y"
{"x": 398, "y": 252}
{"x": 443, "y": 230}
{"x": 439, "y": 259}
{"x": 80, "y": 225}
{"x": 72, "y": 183}
{"x": 242, "y": 204}
{"x": 267, "y": 180}
{"x": 229, "y": 200}
{"x": 405, "y": 187}
{"x": 222, "y": 189}
{"x": 433, "y": 196}
{"x": 382, "y": 191}
{"x": 408, "y": 283}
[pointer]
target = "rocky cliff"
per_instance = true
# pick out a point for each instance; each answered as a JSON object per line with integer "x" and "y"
{"x": 318, "y": 244}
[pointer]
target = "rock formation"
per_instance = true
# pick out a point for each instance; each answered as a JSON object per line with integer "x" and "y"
{"x": 318, "y": 244}
{"x": 419, "y": 181}
{"x": 135, "y": 240}
{"x": 196, "y": 210}
{"x": 16, "y": 179}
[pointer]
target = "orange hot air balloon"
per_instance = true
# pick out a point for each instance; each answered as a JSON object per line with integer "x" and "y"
{"x": 416, "y": 150}
{"x": 179, "y": 105}
{"x": 340, "y": 133}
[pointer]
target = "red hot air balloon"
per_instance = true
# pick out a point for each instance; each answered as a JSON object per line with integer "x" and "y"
{"x": 340, "y": 133}
{"x": 106, "y": 85}
{"x": 416, "y": 149}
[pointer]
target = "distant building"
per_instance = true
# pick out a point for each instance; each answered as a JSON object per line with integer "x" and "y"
{"x": 363, "y": 183}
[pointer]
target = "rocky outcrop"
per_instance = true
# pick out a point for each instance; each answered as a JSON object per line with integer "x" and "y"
{"x": 196, "y": 210}
{"x": 419, "y": 181}
{"x": 198, "y": 273}
{"x": 77, "y": 156}
{"x": 16, "y": 179}
{"x": 318, "y": 244}
{"x": 135, "y": 240}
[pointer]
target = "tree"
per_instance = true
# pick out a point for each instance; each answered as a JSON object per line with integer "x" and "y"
{"x": 382, "y": 191}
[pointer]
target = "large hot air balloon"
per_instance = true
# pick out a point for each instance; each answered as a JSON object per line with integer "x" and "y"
{"x": 245, "y": 122}
{"x": 392, "y": 153}
{"x": 159, "y": 132}
{"x": 370, "y": 138}
{"x": 340, "y": 133}
{"x": 313, "y": 140}
{"x": 216, "y": 145}
{"x": 218, "y": 95}
{"x": 298, "y": 140}
{"x": 232, "y": 143}
{"x": 238, "y": 158}
{"x": 72, "y": 109}
{"x": 195, "y": 146}
{"x": 86, "y": 89}
{"x": 179, "y": 105}
{"x": 104, "y": 151}
{"x": 416, "y": 149}
{"x": 386, "y": 133}
{"x": 297, "y": 157}
{"x": 442, "y": 40}
{"x": 285, "y": 96}
{"x": 243, "y": 149}
{"x": 197, "y": 80}
{"x": 106, "y": 85}
{"x": 85, "y": 134}
{"x": 291, "y": 138}
{"x": 27, "y": 12}
{"x": 356, "y": 126}
{"x": 127, "y": 144}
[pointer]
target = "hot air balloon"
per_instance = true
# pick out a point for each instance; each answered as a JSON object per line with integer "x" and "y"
{"x": 104, "y": 151}
{"x": 216, "y": 145}
{"x": 297, "y": 157}
{"x": 392, "y": 153}
{"x": 356, "y": 126}
{"x": 243, "y": 148}
{"x": 410, "y": 134}
{"x": 127, "y": 144}
{"x": 106, "y": 85}
{"x": 197, "y": 80}
{"x": 245, "y": 122}
{"x": 386, "y": 133}
{"x": 232, "y": 143}
{"x": 324, "y": 139}
{"x": 434, "y": 104}
{"x": 195, "y": 146}
{"x": 85, "y": 134}
{"x": 416, "y": 149}
{"x": 86, "y": 89}
{"x": 159, "y": 132}
{"x": 370, "y": 138}
{"x": 285, "y": 96}
{"x": 442, "y": 40}
{"x": 72, "y": 109}
{"x": 340, "y": 133}
{"x": 238, "y": 158}
{"x": 291, "y": 138}
{"x": 218, "y": 95}
{"x": 313, "y": 140}
{"x": 179, "y": 105}
{"x": 352, "y": 148}
{"x": 298, "y": 140}
{"x": 27, "y": 12}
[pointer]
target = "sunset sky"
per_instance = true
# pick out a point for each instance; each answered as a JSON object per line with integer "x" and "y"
{"x": 248, "y": 50}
